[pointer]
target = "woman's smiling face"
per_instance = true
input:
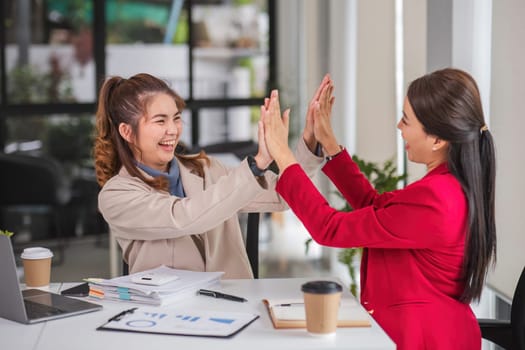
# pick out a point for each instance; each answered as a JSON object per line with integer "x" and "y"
{"x": 420, "y": 146}
{"x": 158, "y": 133}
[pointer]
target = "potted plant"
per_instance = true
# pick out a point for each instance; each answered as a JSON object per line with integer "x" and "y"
{"x": 384, "y": 178}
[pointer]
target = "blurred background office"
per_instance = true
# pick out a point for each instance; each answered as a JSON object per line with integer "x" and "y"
{"x": 223, "y": 56}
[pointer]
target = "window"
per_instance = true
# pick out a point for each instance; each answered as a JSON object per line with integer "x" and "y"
{"x": 218, "y": 55}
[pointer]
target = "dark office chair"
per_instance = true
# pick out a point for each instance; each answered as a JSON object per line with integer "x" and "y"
{"x": 34, "y": 185}
{"x": 508, "y": 334}
{"x": 252, "y": 245}
{"x": 252, "y": 242}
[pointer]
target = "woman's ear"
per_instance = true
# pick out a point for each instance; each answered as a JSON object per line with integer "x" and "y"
{"x": 125, "y": 131}
{"x": 439, "y": 144}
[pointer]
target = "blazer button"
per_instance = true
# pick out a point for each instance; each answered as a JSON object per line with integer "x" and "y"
{"x": 371, "y": 312}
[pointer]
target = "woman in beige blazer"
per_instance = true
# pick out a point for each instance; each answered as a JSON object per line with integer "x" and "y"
{"x": 172, "y": 209}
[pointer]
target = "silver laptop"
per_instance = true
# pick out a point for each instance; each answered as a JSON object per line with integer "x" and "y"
{"x": 32, "y": 305}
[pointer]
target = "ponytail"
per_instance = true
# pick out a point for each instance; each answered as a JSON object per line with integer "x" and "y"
{"x": 107, "y": 162}
{"x": 480, "y": 251}
{"x": 448, "y": 104}
{"x": 473, "y": 164}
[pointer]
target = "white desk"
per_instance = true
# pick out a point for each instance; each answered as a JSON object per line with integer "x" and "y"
{"x": 79, "y": 332}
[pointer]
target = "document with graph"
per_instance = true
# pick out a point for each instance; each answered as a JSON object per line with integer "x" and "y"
{"x": 180, "y": 321}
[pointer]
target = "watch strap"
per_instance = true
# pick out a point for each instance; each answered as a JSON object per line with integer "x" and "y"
{"x": 341, "y": 149}
{"x": 254, "y": 168}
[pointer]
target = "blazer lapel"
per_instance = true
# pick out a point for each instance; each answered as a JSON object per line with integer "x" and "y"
{"x": 192, "y": 183}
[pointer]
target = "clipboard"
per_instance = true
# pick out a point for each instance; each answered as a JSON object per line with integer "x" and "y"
{"x": 289, "y": 313}
{"x": 188, "y": 322}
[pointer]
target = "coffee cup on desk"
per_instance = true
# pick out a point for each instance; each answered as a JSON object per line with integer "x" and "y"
{"x": 321, "y": 303}
{"x": 37, "y": 266}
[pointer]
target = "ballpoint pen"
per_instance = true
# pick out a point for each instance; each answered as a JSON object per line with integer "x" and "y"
{"x": 288, "y": 304}
{"x": 214, "y": 294}
{"x": 118, "y": 316}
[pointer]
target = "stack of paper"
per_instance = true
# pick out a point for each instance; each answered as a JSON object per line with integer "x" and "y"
{"x": 123, "y": 287}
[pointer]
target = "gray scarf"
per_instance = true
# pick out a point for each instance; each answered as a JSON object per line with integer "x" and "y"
{"x": 173, "y": 176}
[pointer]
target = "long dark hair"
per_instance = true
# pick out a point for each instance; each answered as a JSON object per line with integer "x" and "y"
{"x": 125, "y": 101}
{"x": 448, "y": 104}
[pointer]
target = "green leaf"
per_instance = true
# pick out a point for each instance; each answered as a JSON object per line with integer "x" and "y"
{"x": 6, "y": 233}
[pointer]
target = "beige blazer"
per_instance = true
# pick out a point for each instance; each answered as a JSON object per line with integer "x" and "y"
{"x": 200, "y": 232}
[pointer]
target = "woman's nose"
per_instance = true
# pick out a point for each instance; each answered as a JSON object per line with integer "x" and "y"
{"x": 172, "y": 127}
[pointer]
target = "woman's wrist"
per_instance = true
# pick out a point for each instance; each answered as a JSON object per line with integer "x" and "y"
{"x": 310, "y": 142}
{"x": 256, "y": 169}
{"x": 332, "y": 149}
{"x": 330, "y": 156}
{"x": 262, "y": 162}
{"x": 285, "y": 160}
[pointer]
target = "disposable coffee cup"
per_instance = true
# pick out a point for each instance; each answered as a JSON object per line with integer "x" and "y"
{"x": 321, "y": 304}
{"x": 37, "y": 266}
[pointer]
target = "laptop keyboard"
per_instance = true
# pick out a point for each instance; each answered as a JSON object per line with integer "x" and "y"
{"x": 37, "y": 310}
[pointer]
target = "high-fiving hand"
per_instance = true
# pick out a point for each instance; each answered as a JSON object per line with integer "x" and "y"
{"x": 263, "y": 157}
{"x": 322, "y": 115}
{"x": 276, "y": 132}
{"x": 308, "y": 132}
{"x": 318, "y": 127}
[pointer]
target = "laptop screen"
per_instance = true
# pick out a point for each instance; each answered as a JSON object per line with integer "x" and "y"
{"x": 44, "y": 305}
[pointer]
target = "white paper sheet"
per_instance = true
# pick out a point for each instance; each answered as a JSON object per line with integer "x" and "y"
{"x": 180, "y": 321}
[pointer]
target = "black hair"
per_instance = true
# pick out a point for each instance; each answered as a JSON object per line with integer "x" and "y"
{"x": 448, "y": 105}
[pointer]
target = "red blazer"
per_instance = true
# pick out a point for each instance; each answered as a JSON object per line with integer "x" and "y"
{"x": 414, "y": 240}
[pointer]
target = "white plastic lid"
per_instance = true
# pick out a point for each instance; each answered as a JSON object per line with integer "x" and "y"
{"x": 36, "y": 253}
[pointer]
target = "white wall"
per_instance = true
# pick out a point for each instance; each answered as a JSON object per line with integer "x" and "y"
{"x": 315, "y": 37}
{"x": 508, "y": 126}
{"x": 367, "y": 114}
{"x": 415, "y": 57}
{"x": 342, "y": 66}
{"x": 291, "y": 59}
{"x": 376, "y": 109}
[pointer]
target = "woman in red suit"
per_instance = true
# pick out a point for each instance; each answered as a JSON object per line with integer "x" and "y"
{"x": 427, "y": 246}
